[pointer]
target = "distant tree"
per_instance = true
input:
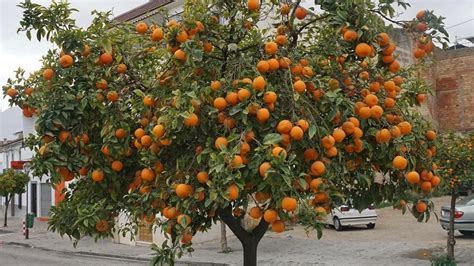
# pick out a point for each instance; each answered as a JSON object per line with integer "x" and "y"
{"x": 11, "y": 182}
{"x": 456, "y": 159}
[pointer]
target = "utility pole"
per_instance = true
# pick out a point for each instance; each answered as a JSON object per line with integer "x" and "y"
{"x": 26, "y": 168}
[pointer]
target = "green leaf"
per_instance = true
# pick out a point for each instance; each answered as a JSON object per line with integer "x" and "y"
{"x": 272, "y": 138}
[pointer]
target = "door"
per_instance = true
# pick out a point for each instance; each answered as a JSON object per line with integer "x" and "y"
{"x": 34, "y": 198}
{"x": 45, "y": 199}
{"x": 145, "y": 232}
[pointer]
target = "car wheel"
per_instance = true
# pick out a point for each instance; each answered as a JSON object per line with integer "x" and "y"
{"x": 337, "y": 224}
{"x": 467, "y": 233}
{"x": 371, "y": 226}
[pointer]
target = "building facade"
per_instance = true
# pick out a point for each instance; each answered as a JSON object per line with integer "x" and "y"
{"x": 14, "y": 128}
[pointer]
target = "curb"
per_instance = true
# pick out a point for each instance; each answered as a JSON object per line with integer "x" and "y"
{"x": 79, "y": 253}
{"x": 111, "y": 256}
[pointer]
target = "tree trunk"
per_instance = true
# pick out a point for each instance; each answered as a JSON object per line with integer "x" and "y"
{"x": 249, "y": 240}
{"x": 451, "y": 240}
{"x": 224, "y": 247}
{"x": 7, "y": 202}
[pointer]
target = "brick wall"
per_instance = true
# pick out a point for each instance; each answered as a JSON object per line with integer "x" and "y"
{"x": 452, "y": 78}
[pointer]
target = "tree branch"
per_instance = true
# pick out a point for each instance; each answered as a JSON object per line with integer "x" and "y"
{"x": 400, "y": 23}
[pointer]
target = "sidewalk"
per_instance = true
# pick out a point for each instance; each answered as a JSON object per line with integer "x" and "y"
{"x": 41, "y": 238}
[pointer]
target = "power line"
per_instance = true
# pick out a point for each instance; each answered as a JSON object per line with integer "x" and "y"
{"x": 460, "y": 23}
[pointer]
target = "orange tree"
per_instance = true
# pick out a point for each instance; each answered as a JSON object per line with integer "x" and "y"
{"x": 11, "y": 183}
{"x": 242, "y": 107}
{"x": 455, "y": 156}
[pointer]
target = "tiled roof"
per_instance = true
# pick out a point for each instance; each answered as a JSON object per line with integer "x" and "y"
{"x": 142, "y": 10}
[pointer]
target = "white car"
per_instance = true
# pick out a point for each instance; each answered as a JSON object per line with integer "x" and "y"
{"x": 347, "y": 216}
{"x": 463, "y": 216}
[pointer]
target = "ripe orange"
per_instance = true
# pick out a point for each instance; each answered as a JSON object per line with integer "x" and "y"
{"x": 221, "y": 141}
{"x": 299, "y": 86}
{"x": 289, "y": 204}
{"x": 233, "y": 192}
{"x": 421, "y": 207}
{"x": 263, "y": 168}
{"x": 48, "y": 74}
{"x": 101, "y": 84}
{"x": 253, "y": 5}
{"x": 389, "y": 103}
{"x": 420, "y": 97}
{"x": 66, "y": 61}
{"x": 202, "y": 177}
{"x": 157, "y": 34}
{"x": 435, "y": 181}
{"x": 419, "y": 53}
{"x": 158, "y": 166}
{"x": 389, "y": 49}
{"x": 270, "y": 97}
{"x": 183, "y": 219}
{"x": 243, "y": 94}
{"x": 430, "y": 135}
{"x": 270, "y": 216}
{"x": 371, "y": 100}
{"x": 338, "y": 135}
{"x": 271, "y": 48}
{"x": 97, "y": 175}
{"x": 244, "y": 148}
{"x": 146, "y": 141}
{"x": 259, "y": 83}
{"x": 405, "y": 127}
{"x": 315, "y": 183}
{"x": 426, "y": 186}
{"x": 263, "y": 66}
{"x": 303, "y": 124}
{"x": 141, "y": 27}
{"x": 278, "y": 227}
{"x": 296, "y": 133}
{"x": 12, "y": 92}
{"x": 64, "y": 136}
{"x": 300, "y": 13}
{"x": 318, "y": 168}
{"x": 220, "y": 103}
{"x": 399, "y": 162}
{"x": 363, "y": 50}
{"x": 376, "y": 112}
{"x": 117, "y": 166}
{"x": 121, "y": 68}
{"x": 279, "y": 151}
{"x": 383, "y": 39}
{"x": 394, "y": 67}
{"x": 180, "y": 55}
{"x": 158, "y": 131}
{"x": 350, "y": 35}
{"x": 139, "y": 132}
{"x": 284, "y": 9}
{"x": 106, "y": 59}
{"x": 147, "y": 174}
{"x": 348, "y": 127}
{"x": 192, "y": 120}
{"x": 112, "y": 96}
{"x": 215, "y": 85}
{"x": 182, "y": 36}
{"x": 284, "y": 126}
{"x": 183, "y": 190}
{"x": 263, "y": 115}
{"x": 310, "y": 154}
{"x": 420, "y": 14}
{"x": 281, "y": 40}
{"x": 364, "y": 112}
{"x": 328, "y": 141}
{"x": 413, "y": 177}
{"x": 236, "y": 161}
{"x": 255, "y": 212}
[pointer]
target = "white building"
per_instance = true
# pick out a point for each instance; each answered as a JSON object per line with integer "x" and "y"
{"x": 14, "y": 128}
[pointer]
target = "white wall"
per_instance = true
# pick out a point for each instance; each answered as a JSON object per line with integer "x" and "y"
{"x": 11, "y": 121}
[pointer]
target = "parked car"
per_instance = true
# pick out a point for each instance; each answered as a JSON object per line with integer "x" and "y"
{"x": 463, "y": 216}
{"x": 345, "y": 215}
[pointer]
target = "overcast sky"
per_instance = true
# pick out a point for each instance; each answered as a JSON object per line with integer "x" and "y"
{"x": 16, "y": 50}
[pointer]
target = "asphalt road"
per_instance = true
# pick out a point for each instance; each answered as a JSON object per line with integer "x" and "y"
{"x": 19, "y": 256}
